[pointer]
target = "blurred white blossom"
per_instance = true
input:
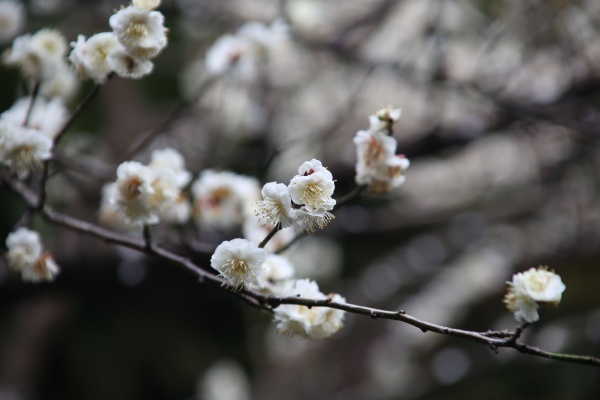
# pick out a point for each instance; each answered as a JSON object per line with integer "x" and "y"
{"x": 529, "y": 289}
{"x": 38, "y": 55}
{"x": 223, "y": 200}
{"x": 25, "y": 256}
{"x": 12, "y": 19}
{"x": 309, "y": 323}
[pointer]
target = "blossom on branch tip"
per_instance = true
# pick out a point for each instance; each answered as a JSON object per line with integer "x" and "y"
{"x": 529, "y": 289}
{"x": 305, "y": 322}
{"x": 378, "y": 165}
{"x": 239, "y": 262}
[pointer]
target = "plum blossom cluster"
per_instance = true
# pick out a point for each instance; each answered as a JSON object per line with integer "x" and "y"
{"x": 305, "y": 201}
{"x": 138, "y": 35}
{"x": 40, "y": 58}
{"x": 243, "y": 264}
{"x": 25, "y": 255}
{"x": 147, "y": 194}
{"x": 378, "y": 165}
{"x": 530, "y": 289}
{"x": 241, "y": 54}
{"x": 27, "y": 133}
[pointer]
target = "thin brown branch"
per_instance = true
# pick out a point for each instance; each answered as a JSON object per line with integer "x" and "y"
{"x": 492, "y": 339}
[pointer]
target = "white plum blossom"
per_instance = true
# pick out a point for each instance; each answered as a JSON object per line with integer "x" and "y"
{"x": 223, "y": 200}
{"x": 91, "y": 57}
{"x": 311, "y": 192}
{"x": 239, "y": 262}
{"x": 276, "y": 206}
{"x": 37, "y": 55}
{"x": 309, "y": 323}
{"x": 22, "y": 149}
{"x": 378, "y": 165}
{"x": 25, "y": 256}
{"x": 134, "y": 197}
{"x": 529, "y": 289}
{"x": 12, "y": 19}
{"x": 313, "y": 187}
{"x": 140, "y": 31}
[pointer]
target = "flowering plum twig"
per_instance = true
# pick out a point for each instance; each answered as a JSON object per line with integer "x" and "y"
{"x": 493, "y": 339}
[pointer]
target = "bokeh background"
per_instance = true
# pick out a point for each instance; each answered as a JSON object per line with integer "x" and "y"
{"x": 500, "y": 119}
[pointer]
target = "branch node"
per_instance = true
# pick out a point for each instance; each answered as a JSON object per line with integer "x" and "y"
{"x": 401, "y": 312}
{"x": 374, "y": 315}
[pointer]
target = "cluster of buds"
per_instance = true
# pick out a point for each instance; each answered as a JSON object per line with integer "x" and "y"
{"x": 378, "y": 165}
